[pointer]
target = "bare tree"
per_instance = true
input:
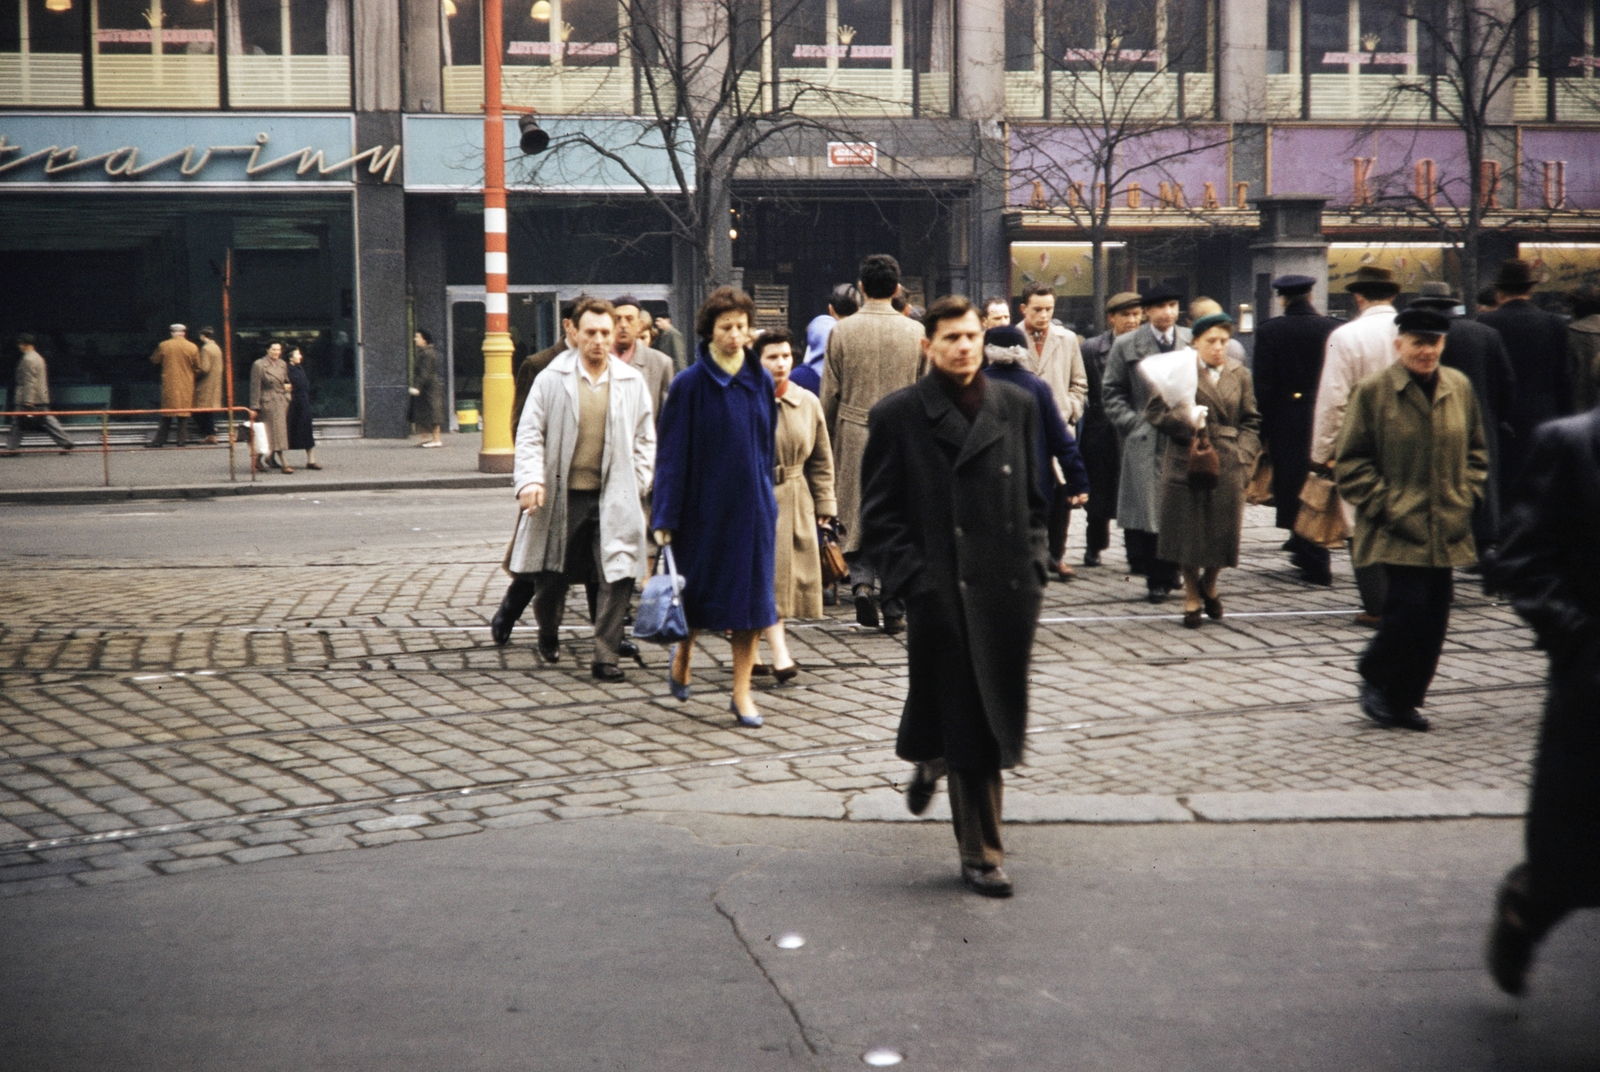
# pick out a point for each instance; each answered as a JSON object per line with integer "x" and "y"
{"x": 709, "y": 104}
{"x": 1470, "y": 56}
{"x": 1129, "y": 84}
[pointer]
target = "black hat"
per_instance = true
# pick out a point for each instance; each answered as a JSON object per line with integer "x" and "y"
{"x": 1289, "y": 285}
{"x": 1516, "y": 277}
{"x": 1160, "y": 296}
{"x": 1416, "y": 321}
{"x": 1004, "y": 337}
{"x": 1370, "y": 279}
{"x": 1434, "y": 294}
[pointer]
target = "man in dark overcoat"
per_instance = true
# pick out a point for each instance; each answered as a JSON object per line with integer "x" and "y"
{"x": 1478, "y": 353}
{"x": 1546, "y": 566}
{"x": 1102, "y": 454}
{"x": 1288, "y": 366}
{"x": 1537, "y": 343}
{"x": 953, "y": 519}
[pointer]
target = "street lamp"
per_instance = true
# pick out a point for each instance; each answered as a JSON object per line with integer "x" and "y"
{"x": 498, "y": 453}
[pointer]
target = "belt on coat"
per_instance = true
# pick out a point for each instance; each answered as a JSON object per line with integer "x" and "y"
{"x": 853, "y": 414}
{"x": 782, "y": 474}
{"x": 1224, "y": 432}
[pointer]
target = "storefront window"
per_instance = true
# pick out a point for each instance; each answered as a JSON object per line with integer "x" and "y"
{"x": 1559, "y": 48}
{"x": 41, "y": 52}
{"x": 1094, "y": 60}
{"x": 288, "y": 53}
{"x": 862, "y": 57}
{"x": 154, "y": 53}
{"x": 561, "y": 56}
{"x": 1354, "y": 59}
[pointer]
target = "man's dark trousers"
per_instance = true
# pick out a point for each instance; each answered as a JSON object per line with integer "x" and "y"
{"x": 1143, "y": 561}
{"x": 584, "y": 561}
{"x": 1404, "y": 653}
{"x": 46, "y": 424}
{"x": 164, "y": 425}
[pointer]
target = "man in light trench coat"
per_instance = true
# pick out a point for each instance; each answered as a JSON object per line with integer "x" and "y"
{"x": 953, "y": 518}
{"x": 585, "y": 456}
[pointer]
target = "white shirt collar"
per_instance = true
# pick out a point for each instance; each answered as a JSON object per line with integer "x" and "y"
{"x": 604, "y": 377}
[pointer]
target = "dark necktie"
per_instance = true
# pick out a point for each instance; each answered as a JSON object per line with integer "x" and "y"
{"x": 1161, "y": 341}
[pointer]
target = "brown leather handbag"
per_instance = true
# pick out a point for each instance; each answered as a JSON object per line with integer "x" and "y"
{"x": 834, "y": 567}
{"x": 1259, "y": 491}
{"x": 1205, "y": 468}
{"x": 1321, "y": 518}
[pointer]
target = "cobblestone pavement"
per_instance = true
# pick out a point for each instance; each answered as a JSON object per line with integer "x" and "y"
{"x": 201, "y": 713}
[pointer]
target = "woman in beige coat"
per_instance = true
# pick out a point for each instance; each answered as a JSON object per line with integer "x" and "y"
{"x": 1200, "y": 527}
{"x": 804, "y": 479}
{"x": 269, "y": 398}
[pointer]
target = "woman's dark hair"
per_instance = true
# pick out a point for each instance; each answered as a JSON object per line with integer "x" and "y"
{"x": 880, "y": 276}
{"x": 845, "y": 299}
{"x": 427, "y": 336}
{"x": 25, "y": 339}
{"x": 722, "y": 300}
{"x": 773, "y": 338}
{"x": 949, "y": 307}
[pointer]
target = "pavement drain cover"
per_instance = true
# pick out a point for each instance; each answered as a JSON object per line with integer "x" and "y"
{"x": 791, "y": 941}
{"x": 882, "y": 1056}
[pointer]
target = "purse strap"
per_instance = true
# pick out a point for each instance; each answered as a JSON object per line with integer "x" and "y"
{"x": 672, "y": 571}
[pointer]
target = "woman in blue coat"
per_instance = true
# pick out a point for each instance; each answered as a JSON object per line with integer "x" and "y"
{"x": 713, "y": 497}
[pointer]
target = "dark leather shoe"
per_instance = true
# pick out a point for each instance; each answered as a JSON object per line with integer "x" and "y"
{"x": 989, "y": 881}
{"x": 1320, "y": 578}
{"x": 550, "y": 653}
{"x": 785, "y": 674}
{"x": 630, "y": 650}
{"x": 760, "y": 670}
{"x": 1159, "y": 593}
{"x": 1376, "y": 706}
{"x": 1091, "y": 558}
{"x": 606, "y": 672}
{"x": 866, "y": 608}
{"x": 1512, "y": 935}
{"x": 500, "y": 627}
{"x": 893, "y": 626}
{"x": 830, "y": 596}
{"x": 1191, "y": 619}
{"x": 919, "y": 792}
{"x": 1213, "y": 607}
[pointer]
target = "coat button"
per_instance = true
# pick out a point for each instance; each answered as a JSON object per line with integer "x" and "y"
{"x": 1006, "y": 469}
{"x": 1297, "y": 396}
{"x": 959, "y": 533}
{"x": 1013, "y": 584}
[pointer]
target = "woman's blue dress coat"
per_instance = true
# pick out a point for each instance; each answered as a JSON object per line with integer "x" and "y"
{"x": 713, "y": 490}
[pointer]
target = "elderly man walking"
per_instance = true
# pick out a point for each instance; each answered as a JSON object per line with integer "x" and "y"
{"x": 1537, "y": 344}
{"x": 627, "y": 347}
{"x": 1126, "y": 394}
{"x": 1361, "y": 348}
{"x": 33, "y": 392}
{"x": 870, "y": 355}
{"x": 585, "y": 453}
{"x": 1055, "y": 356}
{"x": 180, "y": 361}
{"x": 953, "y": 517}
{"x": 1546, "y": 565}
{"x": 1411, "y": 461}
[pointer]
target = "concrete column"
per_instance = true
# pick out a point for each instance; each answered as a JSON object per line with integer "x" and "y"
{"x": 381, "y": 286}
{"x": 422, "y": 84}
{"x": 1242, "y": 60}
{"x": 427, "y": 240}
{"x": 981, "y": 100}
{"x": 981, "y": 60}
{"x": 1290, "y": 242}
{"x": 377, "y": 58}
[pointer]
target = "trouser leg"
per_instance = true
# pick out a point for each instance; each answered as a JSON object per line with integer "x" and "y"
{"x": 519, "y": 593}
{"x": 861, "y": 571}
{"x": 52, "y": 428}
{"x": 975, "y": 814}
{"x": 608, "y": 605}
{"x": 1098, "y": 534}
{"x": 1060, "y": 521}
{"x": 14, "y": 436}
{"x": 163, "y": 425}
{"x": 205, "y": 424}
{"x": 183, "y": 431}
{"x": 549, "y": 603}
{"x": 1404, "y": 653}
{"x": 1373, "y": 584}
{"x": 1140, "y": 547}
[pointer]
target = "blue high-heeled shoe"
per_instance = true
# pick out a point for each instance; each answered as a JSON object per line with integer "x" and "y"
{"x": 679, "y": 691}
{"x": 750, "y": 721}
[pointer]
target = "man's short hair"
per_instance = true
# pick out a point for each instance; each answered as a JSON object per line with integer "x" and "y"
{"x": 1488, "y": 296}
{"x": 209, "y": 332}
{"x": 774, "y": 337}
{"x": 25, "y": 339}
{"x": 571, "y": 304}
{"x": 585, "y": 306}
{"x": 899, "y": 302}
{"x": 427, "y": 337}
{"x": 1033, "y": 290}
{"x": 722, "y": 300}
{"x": 880, "y": 276}
{"x": 989, "y": 303}
{"x": 845, "y": 299}
{"x": 949, "y": 307}
{"x": 626, "y": 299}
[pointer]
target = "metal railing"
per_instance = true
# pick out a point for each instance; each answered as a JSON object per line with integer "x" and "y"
{"x": 106, "y": 449}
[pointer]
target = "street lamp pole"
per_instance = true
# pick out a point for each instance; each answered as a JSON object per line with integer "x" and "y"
{"x": 498, "y": 388}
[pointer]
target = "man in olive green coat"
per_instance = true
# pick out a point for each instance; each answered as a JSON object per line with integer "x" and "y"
{"x": 1412, "y": 462}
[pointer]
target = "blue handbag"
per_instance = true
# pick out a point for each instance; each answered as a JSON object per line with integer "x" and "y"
{"x": 660, "y": 619}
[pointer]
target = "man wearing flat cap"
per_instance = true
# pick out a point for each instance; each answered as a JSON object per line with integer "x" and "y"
{"x": 1537, "y": 343}
{"x": 1288, "y": 365}
{"x": 1476, "y": 351}
{"x": 1102, "y": 454}
{"x": 180, "y": 362}
{"x": 1126, "y": 394}
{"x": 1356, "y": 350}
{"x": 1412, "y": 463}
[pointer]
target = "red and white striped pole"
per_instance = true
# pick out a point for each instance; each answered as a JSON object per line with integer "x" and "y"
{"x": 498, "y": 386}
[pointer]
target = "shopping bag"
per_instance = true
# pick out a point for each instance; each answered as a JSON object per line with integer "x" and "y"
{"x": 1321, "y": 517}
{"x": 1259, "y": 491}
{"x": 834, "y": 567}
{"x": 259, "y": 443}
{"x": 1174, "y": 376}
{"x": 660, "y": 619}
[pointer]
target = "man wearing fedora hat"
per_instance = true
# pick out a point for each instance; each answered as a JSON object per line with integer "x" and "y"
{"x": 1361, "y": 348}
{"x": 1288, "y": 364}
{"x": 1583, "y": 346}
{"x": 1102, "y": 454}
{"x": 1476, "y": 351}
{"x": 1537, "y": 343}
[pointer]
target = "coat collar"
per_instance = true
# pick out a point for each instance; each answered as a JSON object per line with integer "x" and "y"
{"x": 566, "y": 364}
{"x": 869, "y": 309}
{"x": 793, "y": 395}
{"x": 751, "y": 373}
{"x": 1381, "y": 309}
{"x": 1400, "y": 379}
{"x": 952, "y": 428}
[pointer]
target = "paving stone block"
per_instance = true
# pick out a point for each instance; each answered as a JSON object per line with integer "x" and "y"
{"x": 259, "y": 852}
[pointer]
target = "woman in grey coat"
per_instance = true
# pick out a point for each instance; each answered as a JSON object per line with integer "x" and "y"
{"x": 1200, "y": 526}
{"x": 269, "y": 398}
{"x": 427, "y": 390}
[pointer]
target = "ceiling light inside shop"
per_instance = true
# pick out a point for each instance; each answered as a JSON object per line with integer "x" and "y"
{"x": 540, "y": 11}
{"x": 449, "y": 9}
{"x": 58, "y": 5}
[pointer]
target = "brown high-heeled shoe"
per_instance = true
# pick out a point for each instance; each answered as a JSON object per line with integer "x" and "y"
{"x": 1213, "y": 607}
{"x": 1191, "y": 619}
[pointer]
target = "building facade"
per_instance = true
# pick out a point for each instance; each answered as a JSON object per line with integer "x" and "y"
{"x": 328, "y": 154}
